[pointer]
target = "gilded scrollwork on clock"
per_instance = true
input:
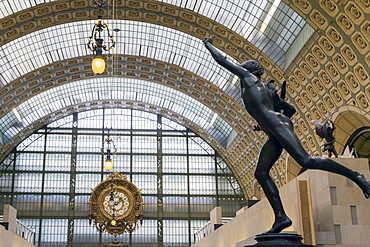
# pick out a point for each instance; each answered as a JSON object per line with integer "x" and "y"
{"x": 116, "y": 205}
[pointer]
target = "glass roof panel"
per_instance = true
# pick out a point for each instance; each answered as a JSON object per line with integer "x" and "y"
{"x": 135, "y": 38}
{"x": 244, "y": 17}
{"x": 113, "y": 88}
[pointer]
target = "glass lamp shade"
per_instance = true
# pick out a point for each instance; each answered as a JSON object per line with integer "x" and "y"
{"x": 113, "y": 222}
{"x": 98, "y": 65}
{"x": 108, "y": 164}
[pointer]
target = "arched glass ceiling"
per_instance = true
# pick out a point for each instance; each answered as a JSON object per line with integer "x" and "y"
{"x": 247, "y": 17}
{"x": 135, "y": 38}
{"x": 244, "y": 17}
{"x": 114, "y": 88}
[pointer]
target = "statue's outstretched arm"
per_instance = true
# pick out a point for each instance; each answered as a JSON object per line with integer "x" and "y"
{"x": 221, "y": 59}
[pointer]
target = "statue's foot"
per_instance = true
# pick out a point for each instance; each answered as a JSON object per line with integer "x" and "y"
{"x": 280, "y": 224}
{"x": 364, "y": 184}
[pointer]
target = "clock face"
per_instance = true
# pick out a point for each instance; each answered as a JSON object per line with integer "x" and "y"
{"x": 116, "y": 200}
{"x": 117, "y": 203}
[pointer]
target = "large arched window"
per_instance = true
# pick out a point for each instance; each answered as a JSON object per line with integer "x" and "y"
{"x": 48, "y": 178}
{"x": 359, "y": 143}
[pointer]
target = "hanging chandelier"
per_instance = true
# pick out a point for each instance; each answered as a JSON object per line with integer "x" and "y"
{"x": 96, "y": 46}
{"x": 108, "y": 149}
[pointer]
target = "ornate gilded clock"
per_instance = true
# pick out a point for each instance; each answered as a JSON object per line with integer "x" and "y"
{"x": 116, "y": 205}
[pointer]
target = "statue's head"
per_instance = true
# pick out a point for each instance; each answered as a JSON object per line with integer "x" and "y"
{"x": 254, "y": 67}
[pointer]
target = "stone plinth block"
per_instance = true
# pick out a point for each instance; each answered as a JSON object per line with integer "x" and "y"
{"x": 279, "y": 240}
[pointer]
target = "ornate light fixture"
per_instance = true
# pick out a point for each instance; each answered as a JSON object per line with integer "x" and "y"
{"x": 98, "y": 63}
{"x": 116, "y": 205}
{"x": 108, "y": 149}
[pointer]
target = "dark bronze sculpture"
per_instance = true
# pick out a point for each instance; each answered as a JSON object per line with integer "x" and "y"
{"x": 262, "y": 104}
{"x": 326, "y": 131}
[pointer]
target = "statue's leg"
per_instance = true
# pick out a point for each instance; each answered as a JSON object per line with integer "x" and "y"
{"x": 289, "y": 140}
{"x": 329, "y": 153}
{"x": 335, "y": 152}
{"x": 269, "y": 154}
{"x": 334, "y": 167}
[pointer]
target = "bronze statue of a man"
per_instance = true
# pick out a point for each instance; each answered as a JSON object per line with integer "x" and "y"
{"x": 259, "y": 102}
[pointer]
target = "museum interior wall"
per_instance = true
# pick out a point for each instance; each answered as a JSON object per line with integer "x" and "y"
{"x": 326, "y": 209}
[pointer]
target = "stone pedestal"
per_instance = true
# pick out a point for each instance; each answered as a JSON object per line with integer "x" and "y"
{"x": 279, "y": 240}
{"x": 215, "y": 218}
{"x": 10, "y": 216}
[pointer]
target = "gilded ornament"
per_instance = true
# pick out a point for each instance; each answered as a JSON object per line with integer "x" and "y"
{"x": 43, "y": 11}
{"x": 344, "y": 89}
{"x": 326, "y": 44}
{"x": 336, "y": 95}
{"x": 184, "y": 26}
{"x": 334, "y": 35}
{"x": 63, "y": 17}
{"x": 319, "y": 53}
{"x": 311, "y": 91}
{"x": 329, "y": 101}
{"x": 220, "y": 31}
{"x": 300, "y": 75}
{"x": 363, "y": 101}
{"x": 318, "y": 84}
{"x": 306, "y": 68}
{"x": 152, "y": 7}
{"x": 116, "y": 205}
{"x": 170, "y": 11}
{"x": 152, "y": 17}
{"x": 231, "y": 48}
{"x": 324, "y": 76}
{"x": 312, "y": 61}
{"x": 46, "y": 21}
{"x": 366, "y": 3}
{"x": 134, "y": 4}
{"x": 60, "y": 7}
{"x": 306, "y": 97}
{"x": 28, "y": 26}
{"x": 187, "y": 16}
{"x": 329, "y": 5}
{"x": 250, "y": 50}
{"x": 302, "y": 4}
{"x": 360, "y": 41}
{"x": 352, "y": 81}
{"x": 333, "y": 71}
{"x": 319, "y": 18}
{"x": 25, "y": 17}
{"x": 300, "y": 103}
{"x": 203, "y": 23}
{"x": 12, "y": 33}
{"x": 362, "y": 73}
{"x": 302, "y": 125}
{"x": 264, "y": 61}
{"x": 354, "y": 11}
{"x": 79, "y": 4}
{"x": 346, "y": 23}
{"x": 316, "y": 113}
{"x": 350, "y": 55}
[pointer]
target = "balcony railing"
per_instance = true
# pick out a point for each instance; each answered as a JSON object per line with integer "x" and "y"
{"x": 207, "y": 229}
{"x": 22, "y": 230}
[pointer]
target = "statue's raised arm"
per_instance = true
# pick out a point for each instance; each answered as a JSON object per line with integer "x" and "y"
{"x": 222, "y": 60}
